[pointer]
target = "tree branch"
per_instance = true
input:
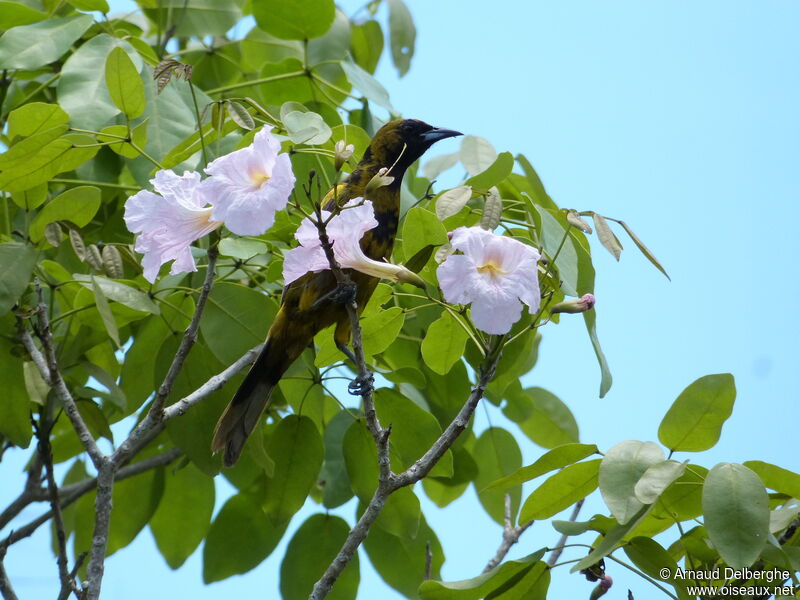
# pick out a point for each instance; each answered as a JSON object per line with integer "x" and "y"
{"x": 6, "y": 590}
{"x": 30, "y": 493}
{"x": 559, "y": 547}
{"x": 511, "y": 535}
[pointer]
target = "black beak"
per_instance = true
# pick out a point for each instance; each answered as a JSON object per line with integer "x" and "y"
{"x": 436, "y": 134}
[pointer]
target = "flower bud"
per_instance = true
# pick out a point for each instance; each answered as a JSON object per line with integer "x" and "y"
{"x": 379, "y": 180}
{"x": 579, "y": 305}
{"x": 605, "y": 584}
{"x": 342, "y": 153}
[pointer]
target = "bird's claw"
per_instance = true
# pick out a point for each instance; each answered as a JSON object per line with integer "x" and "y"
{"x": 343, "y": 293}
{"x": 361, "y": 385}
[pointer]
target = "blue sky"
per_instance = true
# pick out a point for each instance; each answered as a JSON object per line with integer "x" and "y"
{"x": 680, "y": 118}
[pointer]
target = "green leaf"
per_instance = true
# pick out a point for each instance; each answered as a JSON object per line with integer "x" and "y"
{"x": 289, "y": 20}
{"x": 444, "y": 343}
{"x": 224, "y": 554}
{"x": 366, "y": 84}
{"x": 401, "y": 561}
{"x": 31, "y": 198}
{"x": 367, "y": 44}
{"x": 654, "y": 560}
{"x": 16, "y": 264}
{"x": 477, "y": 154}
{"x": 135, "y": 500}
{"x": 736, "y": 513}
{"x": 82, "y": 90}
{"x": 105, "y": 312}
{"x": 124, "y": 83}
{"x": 656, "y": 479}
{"x": 306, "y": 128}
{"x": 35, "y": 117}
{"x": 361, "y": 460}
{"x": 621, "y": 468}
{"x": 236, "y": 319}
{"x": 379, "y": 330}
{"x": 561, "y": 491}
{"x": 333, "y": 478}
{"x": 776, "y": 478}
{"x": 241, "y": 248}
{"x": 414, "y": 430}
{"x": 421, "y": 228}
{"x": 312, "y": 548}
{"x": 683, "y": 499}
{"x": 77, "y": 205}
{"x": 24, "y": 151}
{"x": 120, "y": 292}
{"x": 183, "y": 516}
{"x": 492, "y": 210}
{"x": 487, "y": 585}
{"x": 297, "y": 443}
{"x": 196, "y": 18}
{"x": 694, "y": 421}
{"x": 558, "y": 457}
{"x": 493, "y": 174}
{"x": 643, "y": 249}
{"x": 400, "y": 515}
{"x": 33, "y": 46}
{"x": 402, "y": 35}
{"x": 439, "y": 164}
{"x": 452, "y": 201}
{"x": 35, "y": 385}
{"x": 15, "y": 409}
{"x": 13, "y": 14}
{"x": 99, "y": 5}
{"x": 610, "y": 541}
{"x": 590, "y": 319}
{"x": 497, "y": 454}
{"x": 548, "y": 422}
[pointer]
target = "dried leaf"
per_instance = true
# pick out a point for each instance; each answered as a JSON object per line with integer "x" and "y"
{"x": 492, "y": 209}
{"x": 163, "y": 73}
{"x": 443, "y": 252}
{"x": 240, "y": 116}
{"x": 77, "y": 244}
{"x": 112, "y": 261}
{"x": 452, "y": 201}
{"x": 53, "y": 234}
{"x": 606, "y": 236}
{"x": 93, "y": 257}
{"x": 574, "y": 219}
{"x": 643, "y": 249}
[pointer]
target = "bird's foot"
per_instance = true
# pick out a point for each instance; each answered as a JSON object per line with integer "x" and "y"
{"x": 343, "y": 293}
{"x": 362, "y": 385}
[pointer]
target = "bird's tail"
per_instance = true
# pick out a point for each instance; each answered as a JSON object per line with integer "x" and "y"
{"x": 245, "y": 409}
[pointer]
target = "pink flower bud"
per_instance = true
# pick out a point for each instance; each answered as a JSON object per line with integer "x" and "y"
{"x": 579, "y": 305}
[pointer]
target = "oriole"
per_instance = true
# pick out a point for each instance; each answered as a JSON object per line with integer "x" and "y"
{"x": 302, "y": 314}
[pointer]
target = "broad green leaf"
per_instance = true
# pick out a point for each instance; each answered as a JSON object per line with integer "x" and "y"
{"x": 493, "y": 174}
{"x": 241, "y": 248}
{"x": 497, "y": 454}
{"x": 183, "y": 516}
{"x": 694, "y": 421}
{"x": 82, "y": 91}
{"x": 414, "y": 430}
{"x": 598, "y": 523}
{"x": 590, "y": 319}
{"x": 31, "y": 198}
{"x": 654, "y": 560}
{"x": 506, "y": 576}
{"x": 736, "y": 513}
{"x": 683, "y": 499}
{"x": 34, "y": 118}
{"x": 333, "y": 478}
{"x": 560, "y": 491}
{"x": 402, "y": 35}
{"x": 452, "y": 201}
{"x": 15, "y": 409}
{"x": 16, "y": 264}
{"x": 421, "y": 228}
{"x": 224, "y": 554}
{"x": 124, "y": 83}
{"x": 77, "y": 205}
{"x": 378, "y": 331}
{"x": 120, "y": 292}
{"x": 88, "y": 5}
{"x": 24, "y": 151}
{"x": 621, "y": 468}
{"x": 439, "y": 164}
{"x": 367, "y": 84}
{"x": 776, "y": 478}
{"x": 401, "y": 561}
{"x": 657, "y": 478}
{"x": 290, "y": 20}
{"x": 33, "y": 46}
{"x": 361, "y": 460}
{"x": 444, "y": 343}
{"x": 549, "y": 422}
{"x": 367, "y": 44}
{"x": 539, "y": 195}
{"x": 312, "y": 548}
{"x": 236, "y": 319}
{"x": 297, "y": 445}
{"x": 477, "y": 154}
{"x": 196, "y": 18}
{"x": 13, "y": 14}
{"x": 400, "y": 515}
{"x": 105, "y": 312}
{"x": 610, "y": 541}
{"x": 35, "y": 385}
{"x": 135, "y": 500}
{"x": 558, "y": 457}
{"x": 306, "y": 128}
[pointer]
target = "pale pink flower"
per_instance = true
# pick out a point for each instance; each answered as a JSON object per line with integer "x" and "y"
{"x": 248, "y": 186}
{"x": 345, "y": 231}
{"x": 168, "y": 221}
{"x": 496, "y": 274}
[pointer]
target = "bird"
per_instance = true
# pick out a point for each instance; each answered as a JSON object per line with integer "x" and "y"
{"x": 308, "y": 305}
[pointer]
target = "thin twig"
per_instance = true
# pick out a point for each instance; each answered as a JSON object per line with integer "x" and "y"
{"x": 511, "y": 535}
{"x": 6, "y": 590}
{"x": 32, "y": 492}
{"x": 559, "y": 547}
{"x": 428, "y": 560}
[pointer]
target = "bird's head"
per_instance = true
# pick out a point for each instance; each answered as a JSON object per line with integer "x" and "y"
{"x": 399, "y": 143}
